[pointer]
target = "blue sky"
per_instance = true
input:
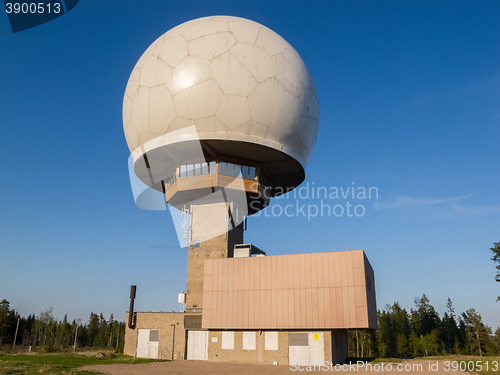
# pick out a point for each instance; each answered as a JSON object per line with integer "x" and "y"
{"x": 409, "y": 99}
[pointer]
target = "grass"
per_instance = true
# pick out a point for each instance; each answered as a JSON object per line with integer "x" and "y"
{"x": 68, "y": 363}
{"x": 58, "y": 363}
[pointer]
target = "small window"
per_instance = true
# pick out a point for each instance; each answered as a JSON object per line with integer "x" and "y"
{"x": 223, "y": 167}
{"x": 251, "y": 175}
{"x": 271, "y": 340}
{"x": 244, "y": 171}
{"x": 183, "y": 171}
{"x": 153, "y": 334}
{"x": 298, "y": 339}
{"x": 190, "y": 170}
{"x": 204, "y": 168}
{"x": 228, "y": 340}
{"x": 197, "y": 169}
{"x": 237, "y": 170}
{"x": 249, "y": 340}
{"x": 230, "y": 169}
{"x": 212, "y": 167}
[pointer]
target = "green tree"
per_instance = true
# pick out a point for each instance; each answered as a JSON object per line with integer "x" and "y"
{"x": 431, "y": 342}
{"x": 44, "y": 332}
{"x": 450, "y": 328}
{"x": 101, "y": 340}
{"x": 4, "y": 316}
{"x": 401, "y": 327}
{"x": 28, "y": 331}
{"x": 496, "y": 259}
{"x": 496, "y": 340}
{"x": 47, "y": 324}
{"x": 385, "y": 334}
{"x": 93, "y": 329}
{"x": 479, "y": 336}
{"x": 464, "y": 336}
{"x": 414, "y": 345}
{"x": 361, "y": 343}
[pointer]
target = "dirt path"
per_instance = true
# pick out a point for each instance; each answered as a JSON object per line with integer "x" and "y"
{"x": 417, "y": 367}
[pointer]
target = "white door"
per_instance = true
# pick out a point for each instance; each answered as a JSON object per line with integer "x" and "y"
{"x": 298, "y": 355}
{"x": 306, "y": 348}
{"x": 197, "y": 345}
{"x": 316, "y": 348}
{"x": 147, "y": 343}
{"x": 153, "y": 349}
{"x": 298, "y": 348}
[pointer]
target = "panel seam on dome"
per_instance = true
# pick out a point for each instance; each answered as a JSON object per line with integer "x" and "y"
{"x": 197, "y": 83}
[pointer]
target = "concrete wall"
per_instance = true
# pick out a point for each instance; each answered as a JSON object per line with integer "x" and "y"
{"x": 161, "y": 321}
{"x": 260, "y": 355}
{"x": 335, "y": 350}
{"x": 319, "y": 291}
{"x": 219, "y": 247}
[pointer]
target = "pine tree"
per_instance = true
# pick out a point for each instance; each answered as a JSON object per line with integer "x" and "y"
{"x": 479, "y": 335}
{"x": 450, "y": 329}
{"x": 385, "y": 335}
{"x": 496, "y": 340}
{"x": 401, "y": 327}
{"x": 428, "y": 317}
{"x": 496, "y": 259}
{"x": 93, "y": 330}
{"x": 4, "y": 315}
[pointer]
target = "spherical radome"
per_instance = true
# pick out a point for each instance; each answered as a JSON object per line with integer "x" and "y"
{"x": 232, "y": 78}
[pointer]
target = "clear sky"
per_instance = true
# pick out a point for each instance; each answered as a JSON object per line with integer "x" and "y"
{"x": 409, "y": 98}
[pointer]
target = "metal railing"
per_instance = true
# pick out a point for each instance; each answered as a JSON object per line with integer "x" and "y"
{"x": 222, "y": 167}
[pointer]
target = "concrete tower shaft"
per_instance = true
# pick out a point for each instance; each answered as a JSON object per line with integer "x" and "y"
{"x": 213, "y": 237}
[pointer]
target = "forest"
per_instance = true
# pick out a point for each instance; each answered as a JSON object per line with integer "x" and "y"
{"x": 46, "y": 333}
{"x": 419, "y": 332}
{"x": 422, "y": 332}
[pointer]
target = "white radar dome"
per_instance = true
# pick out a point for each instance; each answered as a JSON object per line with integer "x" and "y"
{"x": 245, "y": 89}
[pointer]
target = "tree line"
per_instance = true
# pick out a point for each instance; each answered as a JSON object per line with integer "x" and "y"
{"x": 422, "y": 332}
{"x": 419, "y": 332}
{"x": 44, "y": 332}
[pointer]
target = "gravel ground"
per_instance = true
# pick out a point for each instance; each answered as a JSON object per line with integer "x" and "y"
{"x": 203, "y": 367}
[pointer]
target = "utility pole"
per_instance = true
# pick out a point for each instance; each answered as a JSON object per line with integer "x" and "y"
{"x": 76, "y": 334}
{"x": 15, "y": 336}
{"x": 117, "y": 334}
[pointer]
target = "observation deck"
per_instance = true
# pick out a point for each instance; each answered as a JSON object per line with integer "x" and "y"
{"x": 194, "y": 181}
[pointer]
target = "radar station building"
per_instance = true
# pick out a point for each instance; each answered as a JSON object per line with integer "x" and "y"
{"x": 221, "y": 115}
{"x": 264, "y": 309}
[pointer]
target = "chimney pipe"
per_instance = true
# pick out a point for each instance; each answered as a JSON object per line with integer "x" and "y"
{"x": 131, "y": 322}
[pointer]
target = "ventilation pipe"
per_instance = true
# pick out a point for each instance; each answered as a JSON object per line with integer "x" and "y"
{"x": 131, "y": 321}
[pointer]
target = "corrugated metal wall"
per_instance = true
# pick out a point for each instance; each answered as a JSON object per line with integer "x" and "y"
{"x": 301, "y": 291}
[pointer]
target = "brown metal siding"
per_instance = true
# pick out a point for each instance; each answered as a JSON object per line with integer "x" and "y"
{"x": 302, "y": 291}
